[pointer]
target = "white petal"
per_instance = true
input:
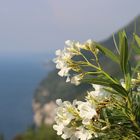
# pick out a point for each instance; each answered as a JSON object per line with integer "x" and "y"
{"x": 68, "y": 79}
{"x": 58, "y": 52}
{"x": 61, "y": 73}
{"x": 74, "y": 138}
{"x": 58, "y": 128}
{"x": 59, "y": 102}
{"x": 68, "y": 42}
{"x": 86, "y": 121}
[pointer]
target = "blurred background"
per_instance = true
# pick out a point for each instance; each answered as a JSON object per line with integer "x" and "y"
{"x": 30, "y": 32}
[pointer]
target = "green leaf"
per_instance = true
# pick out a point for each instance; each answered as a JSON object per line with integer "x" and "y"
{"x": 124, "y": 58}
{"x": 120, "y": 39}
{"x": 123, "y": 51}
{"x": 137, "y": 38}
{"x": 135, "y": 70}
{"x": 113, "y": 92}
{"x": 119, "y": 89}
{"x": 136, "y": 49}
{"x": 108, "y": 53}
{"x": 98, "y": 81}
{"x": 128, "y": 76}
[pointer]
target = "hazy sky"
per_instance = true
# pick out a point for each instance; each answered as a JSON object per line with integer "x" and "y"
{"x": 44, "y": 25}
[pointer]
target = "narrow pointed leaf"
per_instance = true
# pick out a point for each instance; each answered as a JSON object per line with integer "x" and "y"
{"x": 108, "y": 53}
{"x": 119, "y": 89}
{"x": 136, "y": 49}
{"x": 98, "y": 81}
{"x": 137, "y": 38}
{"x": 123, "y": 52}
{"x": 128, "y": 76}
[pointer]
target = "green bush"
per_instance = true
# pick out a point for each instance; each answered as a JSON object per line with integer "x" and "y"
{"x": 42, "y": 133}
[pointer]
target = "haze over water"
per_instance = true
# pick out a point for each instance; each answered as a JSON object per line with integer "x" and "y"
{"x": 19, "y": 78}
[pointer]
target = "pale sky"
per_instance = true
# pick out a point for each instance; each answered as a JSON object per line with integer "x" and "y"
{"x": 31, "y": 26}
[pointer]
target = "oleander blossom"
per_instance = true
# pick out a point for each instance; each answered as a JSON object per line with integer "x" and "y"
{"x": 86, "y": 110}
{"x": 65, "y": 63}
{"x": 79, "y": 119}
{"x": 76, "y": 79}
{"x": 73, "y": 120}
{"x": 83, "y": 134}
{"x": 61, "y": 62}
{"x": 111, "y": 108}
{"x": 64, "y": 56}
{"x": 65, "y": 112}
{"x": 98, "y": 94}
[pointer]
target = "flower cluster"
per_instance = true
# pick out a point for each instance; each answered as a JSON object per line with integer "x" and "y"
{"x": 80, "y": 120}
{"x": 65, "y": 63}
{"x": 112, "y": 107}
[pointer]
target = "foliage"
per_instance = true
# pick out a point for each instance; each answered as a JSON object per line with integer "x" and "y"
{"x": 112, "y": 109}
{"x": 42, "y": 133}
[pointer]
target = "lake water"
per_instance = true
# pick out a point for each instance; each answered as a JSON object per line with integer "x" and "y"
{"x": 19, "y": 77}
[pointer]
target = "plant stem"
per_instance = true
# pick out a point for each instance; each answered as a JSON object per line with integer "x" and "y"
{"x": 109, "y": 77}
{"x": 136, "y": 125}
{"x": 132, "y": 116}
{"x": 98, "y": 68}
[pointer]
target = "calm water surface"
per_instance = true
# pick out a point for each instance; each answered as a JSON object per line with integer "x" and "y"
{"x": 19, "y": 78}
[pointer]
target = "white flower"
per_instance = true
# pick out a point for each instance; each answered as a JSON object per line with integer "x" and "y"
{"x": 58, "y": 52}
{"x": 69, "y": 133}
{"x": 76, "y": 79}
{"x": 61, "y": 63}
{"x": 59, "y": 128}
{"x": 59, "y": 102}
{"x": 86, "y": 121}
{"x": 86, "y": 110}
{"x": 83, "y": 134}
{"x": 69, "y": 43}
{"x": 64, "y": 112}
{"x": 89, "y": 41}
{"x": 63, "y": 116}
{"x": 66, "y": 116}
{"x": 65, "y": 55}
{"x": 68, "y": 78}
{"x": 64, "y": 72}
{"x": 99, "y": 93}
{"x": 73, "y": 47}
